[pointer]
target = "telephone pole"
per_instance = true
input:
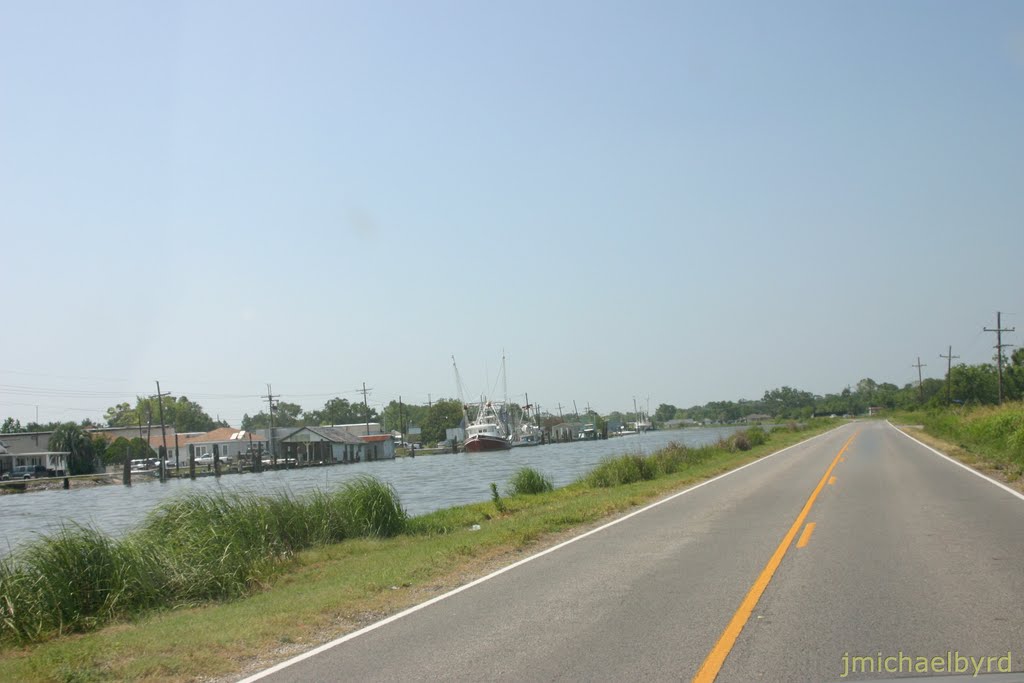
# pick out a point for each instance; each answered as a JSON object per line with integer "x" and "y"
{"x": 401, "y": 419}
{"x": 270, "y": 409}
{"x": 163, "y": 433}
{"x": 920, "y": 386}
{"x": 999, "y": 329}
{"x": 366, "y": 408}
{"x": 949, "y": 372}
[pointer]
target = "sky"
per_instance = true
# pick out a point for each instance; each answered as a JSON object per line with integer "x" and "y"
{"x": 677, "y": 202}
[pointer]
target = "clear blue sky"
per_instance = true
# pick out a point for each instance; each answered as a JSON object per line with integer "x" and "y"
{"x": 687, "y": 201}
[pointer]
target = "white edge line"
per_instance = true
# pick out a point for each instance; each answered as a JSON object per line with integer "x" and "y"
{"x": 960, "y": 464}
{"x": 415, "y": 608}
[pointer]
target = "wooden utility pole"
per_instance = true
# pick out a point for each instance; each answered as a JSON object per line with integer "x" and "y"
{"x": 366, "y": 408}
{"x": 163, "y": 433}
{"x": 126, "y": 475}
{"x": 270, "y": 409}
{"x": 949, "y": 372}
{"x": 999, "y": 329}
{"x": 920, "y": 385}
{"x": 401, "y": 419}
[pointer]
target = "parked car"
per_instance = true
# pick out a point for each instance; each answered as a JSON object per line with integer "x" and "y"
{"x": 27, "y": 472}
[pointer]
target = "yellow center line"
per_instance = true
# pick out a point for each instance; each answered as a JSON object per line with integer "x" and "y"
{"x": 716, "y": 658}
{"x": 805, "y": 537}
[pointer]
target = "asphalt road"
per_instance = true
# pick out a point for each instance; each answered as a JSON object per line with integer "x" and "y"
{"x": 909, "y": 553}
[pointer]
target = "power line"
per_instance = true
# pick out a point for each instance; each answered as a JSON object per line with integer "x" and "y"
{"x": 999, "y": 329}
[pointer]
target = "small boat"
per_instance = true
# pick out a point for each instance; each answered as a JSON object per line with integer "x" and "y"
{"x": 526, "y": 433}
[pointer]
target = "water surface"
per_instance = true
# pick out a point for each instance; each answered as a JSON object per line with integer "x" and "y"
{"x": 424, "y": 484}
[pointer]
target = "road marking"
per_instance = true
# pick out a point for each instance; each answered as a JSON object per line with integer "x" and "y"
{"x": 958, "y": 463}
{"x": 716, "y": 658}
{"x": 805, "y": 537}
{"x": 831, "y": 481}
{"x": 416, "y": 608}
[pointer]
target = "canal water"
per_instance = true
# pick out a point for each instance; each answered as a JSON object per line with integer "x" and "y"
{"x": 424, "y": 483}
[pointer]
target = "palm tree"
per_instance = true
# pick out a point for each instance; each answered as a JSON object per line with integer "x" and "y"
{"x": 71, "y": 439}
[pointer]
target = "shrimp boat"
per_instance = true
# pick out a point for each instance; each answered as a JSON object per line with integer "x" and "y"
{"x": 488, "y": 430}
{"x": 526, "y": 432}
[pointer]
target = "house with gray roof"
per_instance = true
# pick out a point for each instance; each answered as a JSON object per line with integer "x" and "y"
{"x": 320, "y": 445}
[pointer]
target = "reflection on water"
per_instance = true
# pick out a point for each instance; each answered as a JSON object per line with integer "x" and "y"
{"x": 424, "y": 483}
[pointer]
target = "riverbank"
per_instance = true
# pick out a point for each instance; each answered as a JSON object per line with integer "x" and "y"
{"x": 328, "y": 591}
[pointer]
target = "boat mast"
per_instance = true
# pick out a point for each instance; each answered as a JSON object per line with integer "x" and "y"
{"x": 458, "y": 387}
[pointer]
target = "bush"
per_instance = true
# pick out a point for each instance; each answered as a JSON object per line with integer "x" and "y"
{"x": 528, "y": 481}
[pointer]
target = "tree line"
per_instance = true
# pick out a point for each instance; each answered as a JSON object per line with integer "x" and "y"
{"x": 967, "y": 385}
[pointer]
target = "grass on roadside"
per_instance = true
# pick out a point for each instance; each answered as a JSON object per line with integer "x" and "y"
{"x": 993, "y": 434}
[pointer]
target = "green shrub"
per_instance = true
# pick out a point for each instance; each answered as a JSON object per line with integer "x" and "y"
{"x": 528, "y": 481}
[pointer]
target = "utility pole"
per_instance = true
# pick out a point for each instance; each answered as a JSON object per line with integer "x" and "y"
{"x": 401, "y": 420}
{"x": 920, "y": 386}
{"x": 949, "y": 372}
{"x": 560, "y": 412}
{"x": 574, "y": 411}
{"x": 430, "y": 403}
{"x": 366, "y": 408}
{"x": 270, "y": 409}
{"x": 999, "y": 329}
{"x": 163, "y": 433}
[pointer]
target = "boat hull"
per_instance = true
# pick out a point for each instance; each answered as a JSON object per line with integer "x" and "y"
{"x": 480, "y": 443}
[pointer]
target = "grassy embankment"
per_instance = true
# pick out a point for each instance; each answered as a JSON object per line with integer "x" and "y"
{"x": 168, "y": 593}
{"x": 989, "y": 438}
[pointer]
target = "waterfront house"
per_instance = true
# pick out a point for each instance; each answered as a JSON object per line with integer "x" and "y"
{"x": 21, "y": 454}
{"x": 227, "y": 442}
{"x": 309, "y": 445}
{"x": 378, "y": 446}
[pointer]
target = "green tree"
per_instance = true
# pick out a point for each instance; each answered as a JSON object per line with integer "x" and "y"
{"x": 974, "y": 383}
{"x": 11, "y": 426}
{"x": 285, "y": 415}
{"x": 399, "y": 420}
{"x": 180, "y": 413}
{"x": 665, "y": 412}
{"x": 444, "y": 414}
{"x": 339, "y": 411}
{"x": 70, "y": 438}
{"x": 137, "y": 449}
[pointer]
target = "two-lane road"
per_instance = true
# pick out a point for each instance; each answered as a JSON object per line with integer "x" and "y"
{"x": 858, "y": 543}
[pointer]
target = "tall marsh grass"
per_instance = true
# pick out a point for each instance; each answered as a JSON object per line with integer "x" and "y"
{"x": 528, "y": 481}
{"x": 201, "y": 547}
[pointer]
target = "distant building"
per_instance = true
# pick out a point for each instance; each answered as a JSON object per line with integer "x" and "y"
{"x": 22, "y": 455}
{"x": 311, "y": 445}
{"x": 378, "y": 446}
{"x": 226, "y": 442}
